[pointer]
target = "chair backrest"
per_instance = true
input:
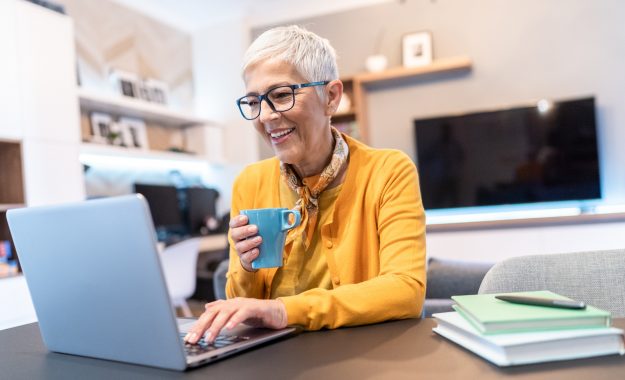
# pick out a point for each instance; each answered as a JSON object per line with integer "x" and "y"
{"x": 219, "y": 280}
{"x": 179, "y": 263}
{"x": 597, "y": 278}
{"x": 446, "y": 278}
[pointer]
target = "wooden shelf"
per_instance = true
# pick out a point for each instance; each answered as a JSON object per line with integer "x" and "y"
{"x": 11, "y": 175}
{"x": 398, "y": 73}
{"x": 344, "y": 115}
{"x": 116, "y": 151}
{"x": 126, "y": 106}
{"x": 211, "y": 243}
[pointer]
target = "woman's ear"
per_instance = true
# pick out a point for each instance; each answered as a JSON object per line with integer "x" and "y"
{"x": 334, "y": 92}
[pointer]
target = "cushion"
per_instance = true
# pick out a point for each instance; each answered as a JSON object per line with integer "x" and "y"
{"x": 446, "y": 278}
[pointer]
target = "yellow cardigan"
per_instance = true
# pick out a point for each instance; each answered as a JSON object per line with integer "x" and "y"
{"x": 374, "y": 242}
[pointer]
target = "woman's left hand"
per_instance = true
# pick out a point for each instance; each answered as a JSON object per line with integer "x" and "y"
{"x": 229, "y": 313}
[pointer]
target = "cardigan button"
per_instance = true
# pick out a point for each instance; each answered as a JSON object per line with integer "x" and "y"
{"x": 329, "y": 244}
{"x": 336, "y": 280}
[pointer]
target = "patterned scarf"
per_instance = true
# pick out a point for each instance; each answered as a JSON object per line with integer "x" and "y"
{"x": 308, "y": 202}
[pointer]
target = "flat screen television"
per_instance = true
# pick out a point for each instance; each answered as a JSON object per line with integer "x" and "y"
{"x": 522, "y": 155}
{"x": 164, "y": 207}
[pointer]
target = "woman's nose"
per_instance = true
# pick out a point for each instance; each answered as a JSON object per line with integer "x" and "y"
{"x": 267, "y": 113}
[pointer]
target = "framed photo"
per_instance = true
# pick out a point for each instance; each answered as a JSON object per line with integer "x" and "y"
{"x": 100, "y": 127}
{"x": 157, "y": 91}
{"x": 417, "y": 49}
{"x": 127, "y": 83}
{"x": 133, "y": 133}
{"x": 143, "y": 92}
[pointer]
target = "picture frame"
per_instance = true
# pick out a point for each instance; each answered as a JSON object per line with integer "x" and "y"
{"x": 101, "y": 124}
{"x": 127, "y": 84}
{"x": 143, "y": 92}
{"x": 134, "y": 133}
{"x": 157, "y": 90}
{"x": 417, "y": 49}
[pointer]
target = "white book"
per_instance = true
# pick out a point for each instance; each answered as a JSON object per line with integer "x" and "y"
{"x": 530, "y": 347}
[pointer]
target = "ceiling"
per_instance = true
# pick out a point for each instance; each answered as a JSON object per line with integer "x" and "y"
{"x": 192, "y": 15}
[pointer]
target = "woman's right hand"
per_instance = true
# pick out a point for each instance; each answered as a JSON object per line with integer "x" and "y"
{"x": 245, "y": 245}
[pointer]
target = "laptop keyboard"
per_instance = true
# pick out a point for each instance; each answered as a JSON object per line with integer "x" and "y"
{"x": 221, "y": 341}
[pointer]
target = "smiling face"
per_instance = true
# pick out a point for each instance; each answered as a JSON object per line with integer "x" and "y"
{"x": 300, "y": 136}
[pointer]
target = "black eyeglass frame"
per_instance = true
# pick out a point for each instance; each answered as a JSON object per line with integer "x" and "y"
{"x": 264, "y": 97}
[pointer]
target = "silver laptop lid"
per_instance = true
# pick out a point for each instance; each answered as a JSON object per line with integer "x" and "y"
{"x": 96, "y": 282}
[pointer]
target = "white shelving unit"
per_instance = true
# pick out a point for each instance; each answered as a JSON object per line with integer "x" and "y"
{"x": 202, "y": 135}
{"x": 127, "y": 106}
{"x": 121, "y": 152}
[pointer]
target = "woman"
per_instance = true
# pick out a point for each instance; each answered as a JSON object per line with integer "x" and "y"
{"x": 358, "y": 256}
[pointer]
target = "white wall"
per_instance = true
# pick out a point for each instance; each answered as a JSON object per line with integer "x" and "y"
{"x": 217, "y": 57}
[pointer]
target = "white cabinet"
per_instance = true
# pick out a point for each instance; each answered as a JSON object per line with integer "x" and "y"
{"x": 9, "y": 90}
{"x": 52, "y": 172}
{"x": 48, "y": 105}
{"x": 47, "y": 74}
{"x": 17, "y": 308}
{"x": 39, "y": 111}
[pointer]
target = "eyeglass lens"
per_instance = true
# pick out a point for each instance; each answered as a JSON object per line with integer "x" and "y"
{"x": 280, "y": 99}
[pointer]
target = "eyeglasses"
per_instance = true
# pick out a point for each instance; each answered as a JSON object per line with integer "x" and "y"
{"x": 279, "y": 99}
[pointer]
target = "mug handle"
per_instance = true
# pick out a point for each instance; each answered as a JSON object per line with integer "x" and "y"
{"x": 285, "y": 219}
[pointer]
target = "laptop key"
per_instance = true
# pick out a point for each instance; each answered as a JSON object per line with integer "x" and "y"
{"x": 202, "y": 346}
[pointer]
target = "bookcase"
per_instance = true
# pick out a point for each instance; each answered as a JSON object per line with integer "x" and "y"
{"x": 190, "y": 137}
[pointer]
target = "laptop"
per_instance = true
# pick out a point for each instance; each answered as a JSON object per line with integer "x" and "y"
{"x": 98, "y": 289}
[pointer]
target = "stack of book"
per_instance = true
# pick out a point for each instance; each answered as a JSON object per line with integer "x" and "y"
{"x": 506, "y": 333}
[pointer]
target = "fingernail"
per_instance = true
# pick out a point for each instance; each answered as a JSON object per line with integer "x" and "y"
{"x": 186, "y": 337}
{"x": 251, "y": 229}
{"x": 229, "y": 325}
{"x": 208, "y": 337}
{"x": 258, "y": 239}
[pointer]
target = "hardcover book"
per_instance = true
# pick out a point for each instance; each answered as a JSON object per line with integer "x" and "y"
{"x": 490, "y": 315}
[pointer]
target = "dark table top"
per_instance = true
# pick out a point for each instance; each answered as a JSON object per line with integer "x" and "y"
{"x": 393, "y": 350}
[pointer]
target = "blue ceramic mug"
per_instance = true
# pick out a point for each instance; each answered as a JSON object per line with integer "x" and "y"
{"x": 273, "y": 224}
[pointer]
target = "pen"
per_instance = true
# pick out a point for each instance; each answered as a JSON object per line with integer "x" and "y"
{"x": 548, "y": 302}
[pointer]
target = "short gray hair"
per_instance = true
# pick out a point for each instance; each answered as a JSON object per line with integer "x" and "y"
{"x": 311, "y": 55}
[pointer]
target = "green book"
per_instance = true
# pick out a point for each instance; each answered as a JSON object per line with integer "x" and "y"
{"x": 491, "y": 316}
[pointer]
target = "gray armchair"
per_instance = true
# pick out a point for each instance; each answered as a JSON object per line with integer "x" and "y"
{"x": 446, "y": 278}
{"x": 597, "y": 278}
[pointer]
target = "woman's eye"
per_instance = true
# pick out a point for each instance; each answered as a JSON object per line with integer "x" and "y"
{"x": 281, "y": 95}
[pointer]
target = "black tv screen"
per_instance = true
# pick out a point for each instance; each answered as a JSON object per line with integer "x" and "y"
{"x": 164, "y": 205}
{"x": 542, "y": 153}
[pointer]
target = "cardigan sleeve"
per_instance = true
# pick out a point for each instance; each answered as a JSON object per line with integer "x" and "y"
{"x": 398, "y": 290}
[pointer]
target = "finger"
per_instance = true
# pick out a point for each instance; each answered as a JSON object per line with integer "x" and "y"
{"x": 199, "y": 328}
{"x": 243, "y": 232}
{"x": 247, "y": 245}
{"x": 218, "y": 323}
{"x": 249, "y": 256}
{"x": 238, "y": 317}
{"x": 238, "y": 221}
